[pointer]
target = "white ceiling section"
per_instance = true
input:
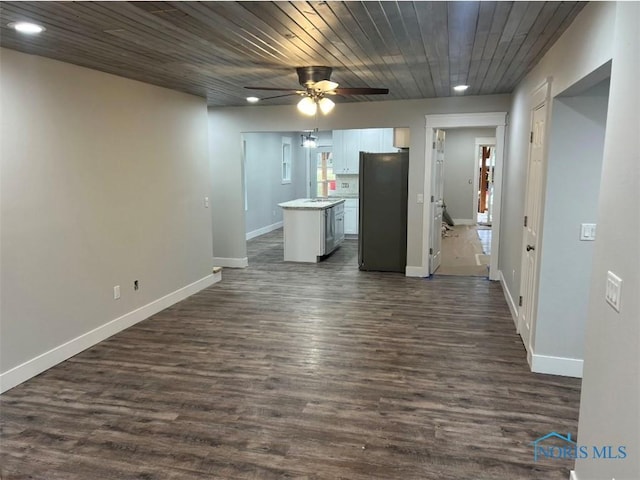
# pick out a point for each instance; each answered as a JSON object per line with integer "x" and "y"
{"x": 213, "y": 49}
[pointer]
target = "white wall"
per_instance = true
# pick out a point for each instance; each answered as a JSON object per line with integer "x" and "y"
{"x": 576, "y": 144}
{"x": 585, "y": 46}
{"x": 609, "y": 406}
{"x": 609, "y": 413}
{"x": 226, "y": 125}
{"x": 459, "y": 166}
{"x": 264, "y": 177}
{"x": 103, "y": 183}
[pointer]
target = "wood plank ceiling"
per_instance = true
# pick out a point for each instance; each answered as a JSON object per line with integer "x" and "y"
{"x": 213, "y": 49}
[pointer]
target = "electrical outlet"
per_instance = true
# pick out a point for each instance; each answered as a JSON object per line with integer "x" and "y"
{"x": 116, "y": 292}
{"x": 613, "y": 290}
{"x": 206, "y": 202}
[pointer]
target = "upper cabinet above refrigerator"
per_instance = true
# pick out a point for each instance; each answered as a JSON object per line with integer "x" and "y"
{"x": 347, "y": 145}
{"x": 401, "y": 137}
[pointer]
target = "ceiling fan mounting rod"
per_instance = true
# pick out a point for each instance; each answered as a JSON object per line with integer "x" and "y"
{"x": 310, "y": 75}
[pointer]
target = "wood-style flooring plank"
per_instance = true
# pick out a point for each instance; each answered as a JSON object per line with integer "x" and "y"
{"x": 298, "y": 371}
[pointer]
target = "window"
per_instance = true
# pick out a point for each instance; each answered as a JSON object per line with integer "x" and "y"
{"x": 324, "y": 174}
{"x": 286, "y": 160}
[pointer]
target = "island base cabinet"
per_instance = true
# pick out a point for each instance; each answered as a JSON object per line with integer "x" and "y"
{"x": 303, "y": 235}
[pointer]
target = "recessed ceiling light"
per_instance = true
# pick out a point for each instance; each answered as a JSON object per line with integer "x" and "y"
{"x": 253, "y": 99}
{"x": 27, "y": 27}
{"x": 460, "y": 88}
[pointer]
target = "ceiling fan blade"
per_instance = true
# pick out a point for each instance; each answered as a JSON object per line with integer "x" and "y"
{"x": 325, "y": 85}
{"x": 273, "y": 88}
{"x": 279, "y": 96}
{"x": 362, "y": 91}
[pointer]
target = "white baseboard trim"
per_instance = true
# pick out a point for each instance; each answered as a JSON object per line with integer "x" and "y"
{"x": 566, "y": 367}
{"x": 45, "y": 361}
{"x": 573, "y": 475}
{"x": 231, "y": 262}
{"x": 263, "y": 230}
{"x": 513, "y": 308}
{"x": 415, "y": 271}
{"x": 464, "y": 221}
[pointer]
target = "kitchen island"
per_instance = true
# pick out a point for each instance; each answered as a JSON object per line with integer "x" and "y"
{"x": 313, "y": 228}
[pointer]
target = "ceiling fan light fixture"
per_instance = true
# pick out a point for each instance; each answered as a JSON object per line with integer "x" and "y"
{"x": 253, "y": 99}
{"x": 460, "y": 88}
{"x": 326, "y": 105}
{"x": 316, "y": 88}
{"x": 309, "y": 141}
{"x": 307, "y": 106}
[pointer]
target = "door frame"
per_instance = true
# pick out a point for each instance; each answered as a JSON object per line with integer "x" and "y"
{"x": 437, "y": 203}
{"x": 495, "y": 120}
{"x": 480, "y": 142}
{"x": 540, "y": 96}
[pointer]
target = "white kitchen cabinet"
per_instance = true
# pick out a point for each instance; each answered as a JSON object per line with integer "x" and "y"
{"x": 304, "y": 232}
{"x": 338, "y": 151}
{"x": 351, "y": 216}
{"x": 377, "y": 140}
{"x": 347, "y": 145}
{"x": 386, "y": 141}
{"x": 401, "y": 137}
{"x": 351, "y": 142}
{"x": 370, "y": 140}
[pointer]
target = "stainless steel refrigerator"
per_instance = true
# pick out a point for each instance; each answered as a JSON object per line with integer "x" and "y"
{"x": 382, "y": 234}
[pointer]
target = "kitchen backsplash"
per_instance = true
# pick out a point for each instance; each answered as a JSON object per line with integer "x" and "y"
{"x": 346, "y": 185}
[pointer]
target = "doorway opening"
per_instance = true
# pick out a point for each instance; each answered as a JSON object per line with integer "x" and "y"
{"x": 485, "y": 150}
{"x": 486, "y": 125}
{"x": 468, "y": 169}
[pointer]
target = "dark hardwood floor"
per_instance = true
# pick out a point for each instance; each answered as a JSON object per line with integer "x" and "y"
{"x": 296, "y": 371}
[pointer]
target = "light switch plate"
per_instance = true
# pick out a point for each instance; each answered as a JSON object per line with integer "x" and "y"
{"x": 588, "y": 232}
{"x": 613, "y": 290}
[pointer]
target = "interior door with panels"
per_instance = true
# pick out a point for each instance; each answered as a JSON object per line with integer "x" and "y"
{"x": 532, "y": 218}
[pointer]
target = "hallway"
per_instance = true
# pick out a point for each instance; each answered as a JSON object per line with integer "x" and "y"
{"x": 466, "y": 251}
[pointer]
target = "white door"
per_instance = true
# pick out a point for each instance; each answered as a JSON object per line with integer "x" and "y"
{"x": 437, "y": 187}
{"x": 531, "y": 222}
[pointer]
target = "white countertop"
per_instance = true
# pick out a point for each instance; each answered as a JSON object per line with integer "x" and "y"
{"x": 346, "y": 195}
{"x": 311, "y": 203}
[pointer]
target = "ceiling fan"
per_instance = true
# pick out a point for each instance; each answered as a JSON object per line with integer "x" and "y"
{"x": 317, "y": 88}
